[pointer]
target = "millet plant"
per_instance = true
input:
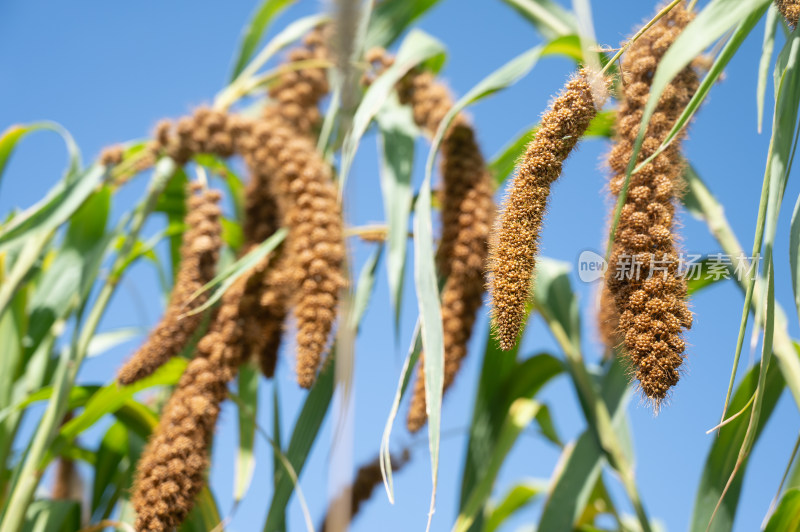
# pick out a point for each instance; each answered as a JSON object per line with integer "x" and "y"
{"x": 271, "y": 277}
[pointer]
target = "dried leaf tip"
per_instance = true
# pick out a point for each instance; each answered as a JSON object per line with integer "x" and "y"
{"x": 515, "y": 240}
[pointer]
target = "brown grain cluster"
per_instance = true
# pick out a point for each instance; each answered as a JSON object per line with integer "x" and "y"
{"x": 291, "y": 185}
{"x": 172, "y": 468}
{"x": 296, "y": 94}
{"x": 790, "y": 9}
{"x": 515, "y": 242}
{"x": 643, "y": 277}
{"x": 300, "y": 183}
{"x": 467, "y": 211}
{"x": 199, "y": 253}
{"x": 368, "y": 477}
{"x": 112, "y": 155}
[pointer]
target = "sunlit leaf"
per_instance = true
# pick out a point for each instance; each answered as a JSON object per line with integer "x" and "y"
{"x": 259, "y": 23}
{"x": 397, "y": 135}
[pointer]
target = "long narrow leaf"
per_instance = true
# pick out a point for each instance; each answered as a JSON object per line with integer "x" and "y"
{"x": 767, "y": 47}
{"x": 245, "y": 460}
{"x": 396, "y": 139}
{"x": 418, "y": 47}
{"x": 256, "y": 29}
{"x": 519, "y": 416}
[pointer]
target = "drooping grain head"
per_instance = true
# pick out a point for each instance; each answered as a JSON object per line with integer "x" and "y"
{"x": 643, "y": 278}
{"x": 202, "y": 241}
{"x": 515, "y": 243}
{"x": 368, "y": 477}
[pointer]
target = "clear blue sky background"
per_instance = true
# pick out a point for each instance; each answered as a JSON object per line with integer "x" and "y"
{"x": 108, "y": 71}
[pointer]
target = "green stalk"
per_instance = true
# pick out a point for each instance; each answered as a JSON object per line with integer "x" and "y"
{"x": 598, "y": 417}
{"x": 748, "y": 297}
{"x": 64, "y": 379}
{"x": 714, "y": 216}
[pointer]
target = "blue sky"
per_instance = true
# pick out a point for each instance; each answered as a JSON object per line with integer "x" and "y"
{"x": 108, "y": 71}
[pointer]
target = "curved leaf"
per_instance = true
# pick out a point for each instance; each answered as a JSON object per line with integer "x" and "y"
{"x": 253, "y": 32}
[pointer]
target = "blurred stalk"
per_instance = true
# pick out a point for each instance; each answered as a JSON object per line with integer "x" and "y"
{"x": 34, "y": 463}
{"x": 598, "y": 416}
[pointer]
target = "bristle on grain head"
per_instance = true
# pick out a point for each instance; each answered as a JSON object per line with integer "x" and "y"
{"x": 790, "y": 9}
{"x": 466, "y": 197}
{"x": 643, "y": 278}
{"x": 202, "y": 241}
{"x": 515, "y": 243}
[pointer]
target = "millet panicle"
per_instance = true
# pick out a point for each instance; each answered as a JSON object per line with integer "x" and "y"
{"x": 515, "y": 242}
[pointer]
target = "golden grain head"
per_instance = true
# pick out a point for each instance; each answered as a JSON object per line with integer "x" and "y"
{"x": 514, "y": 245}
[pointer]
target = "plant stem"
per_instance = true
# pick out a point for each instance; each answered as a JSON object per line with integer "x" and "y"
{"x": 64, "y": 379}
{"x": 720, "y": 228}
{"x": 599, "y": 417}
{"x": 639, "y": 33}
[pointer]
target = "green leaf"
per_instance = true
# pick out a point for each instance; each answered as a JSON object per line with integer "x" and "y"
{"x": 787, "y": 514}
{"x": 236, "y": 190}
{"x": 554, "y": 297}
{"x": 402, "y": 385}
{"x": 245, "y": 460}
{"x": 794, "y": 252}
{"x": 172, "y": 202}
{"x": 58, "y": 205}
{"x": 66, "y": 283}
{"x": 391, "y": 18}
{"x": 291, "y": 33}
{"x": 767, "y": 47}
{"x": 549, "y": 19}
{"x": 24, "y": 263}
{"x": 515, "y": 499}
{"x": 314, "y": 410}
{"x": 204, "y": 514}
{"x": 781, "y": 153}
{"x": 11, "y": 136}
{"x": 724, "y": 452}
{"x": 108, "y": 483}
{"x": 583, "y": 461}
{"x": 365, "y": 287}
{"x": 52, "y": 516}
{"x": 256, "y": 29}
{"x": 105, "y": 341}
{"x": 502, "y": 381}
{"x": 110, "y": 398}
{"x": 418, "y": 47}
{"x": 277, "y": 438}
{"x": 229, "y": 275}
{"x": 397, "y": 135}
{"x": 545, "y": 421}
{"x": 520, "y": 415}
